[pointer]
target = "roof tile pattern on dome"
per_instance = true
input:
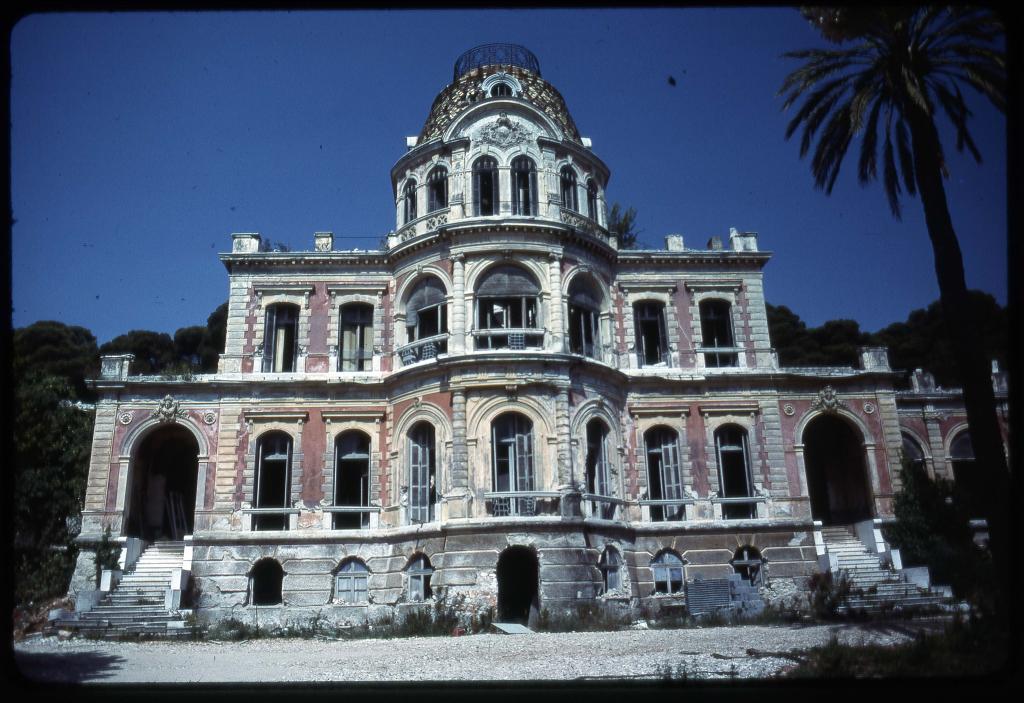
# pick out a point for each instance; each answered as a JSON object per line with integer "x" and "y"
{"x": 466, "y": 91}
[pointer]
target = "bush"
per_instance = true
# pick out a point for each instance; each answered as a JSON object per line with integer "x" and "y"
{"x": 827, "y": 594}
{"x": 584, "y": 617}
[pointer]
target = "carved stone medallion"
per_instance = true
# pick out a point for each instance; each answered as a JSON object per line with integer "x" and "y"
{"x": 126, "y": 417}
{"x": 169, "y": 410}
{"x": 828, "y": 401}
{"x": 503, "y": 133}
{"x": 209, "y": 417}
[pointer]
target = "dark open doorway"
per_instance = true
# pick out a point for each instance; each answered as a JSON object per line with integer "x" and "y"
{"x": 163, "y": 485}
{"x": 837, "y": 478}
{"x": 517, "y": 586}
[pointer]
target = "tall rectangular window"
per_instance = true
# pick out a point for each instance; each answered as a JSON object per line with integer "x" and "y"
{"x": 422, "y": 474}
{"x": 512, "y": 447}
{"x": 272, "y": 480}
{"x": 716, "y": 334}
{"x": 280, "y": 338}
{"x": 651, "y": 333}
{"x": 734, "y": 470}
{"x": 356, "y": 353}
{"x": 663, "y": 473}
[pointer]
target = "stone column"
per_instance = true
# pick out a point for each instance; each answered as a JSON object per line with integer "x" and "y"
{"x": 457, "y": 340}
{"x": 555, "y": 323}
{"x": 458, "y": 500}
{"x": 564, "y": 472}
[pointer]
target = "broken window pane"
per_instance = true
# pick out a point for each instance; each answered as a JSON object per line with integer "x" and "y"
{"x": 663, "y": 472}
{"x": 610, "y": 566}
{"x": 352, "y": 479}
{"x": 668, "y": 573}
{"x": 734, "y": 471}
{"x": 651, "y": 335}
{"x": 420, "y": 571}
{"x": 716, "y": 333}
{"x": 272, "y": 480}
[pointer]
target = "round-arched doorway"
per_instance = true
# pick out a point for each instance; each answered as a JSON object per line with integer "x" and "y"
{"x": 837, "y": 479}
{"x": 518, "y": 581}
{"x": 163, "y": 485}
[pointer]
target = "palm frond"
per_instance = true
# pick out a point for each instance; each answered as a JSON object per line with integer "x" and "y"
{"x": 814, "y": 121}
{"x": 866, "y": 170}
{"x": 830, "y": 91}
{"x": 906, "y": 156}
{"x": 891, "y": 180}
{"x": 828, "y": 157}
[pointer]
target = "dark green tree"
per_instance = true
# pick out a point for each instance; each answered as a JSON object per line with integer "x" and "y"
{"x": 52, "y": 442}
{"x": 212, "y": 345}
{"x": 53, "y": 348}
{"x": 154, "y": 351}
{"x": 904, "y": 71}
{"x": 623, "y": 223}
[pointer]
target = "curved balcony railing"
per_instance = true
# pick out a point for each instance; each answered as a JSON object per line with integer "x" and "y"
{"x": 509, "y": 338}
{"x": 522, "y": 503}
{"x": 584, "y": 224}
{"x": 496, "y": 54}
{"x": 422, "y": 349}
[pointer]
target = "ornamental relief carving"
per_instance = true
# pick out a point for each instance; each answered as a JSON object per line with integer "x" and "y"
{"x": 169, "y": 410}
{"x": 828, "y": 401}
{"x": 503, "y": 133}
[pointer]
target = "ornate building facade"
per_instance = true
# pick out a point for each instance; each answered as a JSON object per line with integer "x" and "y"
{"x": 499, "y": 402}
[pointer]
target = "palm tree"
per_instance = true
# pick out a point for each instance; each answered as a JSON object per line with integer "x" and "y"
{"x": 908, "y": 64}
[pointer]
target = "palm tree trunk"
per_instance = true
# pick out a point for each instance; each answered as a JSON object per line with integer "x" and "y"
{"x": 979, "y": 397}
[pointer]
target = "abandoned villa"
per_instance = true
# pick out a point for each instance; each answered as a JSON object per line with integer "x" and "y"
{"x": 504, "y": 404}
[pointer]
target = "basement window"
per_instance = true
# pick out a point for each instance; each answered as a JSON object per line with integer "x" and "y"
{"x": 747, "y": 562}
{"x": 350, "y": 583}
{"x": 668, "y": 573}
{"x": 610, "y": 566}
{"x": 265, "y": 581}
{"x": 419, "y": 572}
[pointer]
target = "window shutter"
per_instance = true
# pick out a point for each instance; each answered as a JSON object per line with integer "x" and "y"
{"x": 670, "y": 468}
{"x": 524, "y": 462}
{"x": 268, "y": 339}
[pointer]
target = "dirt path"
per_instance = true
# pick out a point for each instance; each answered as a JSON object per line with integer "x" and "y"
{"x": 722, "y": 652}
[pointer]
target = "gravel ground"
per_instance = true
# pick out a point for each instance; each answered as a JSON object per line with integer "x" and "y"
{"x": 711, "y": 653}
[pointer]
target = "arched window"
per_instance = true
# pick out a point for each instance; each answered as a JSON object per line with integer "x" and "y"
{"x": 663, "y": 473}
{"x": 716, "y": 333}
{"x": 969, "y": 488}
{"x": 524, "y": 186}
{"x": 651, "y": 333}
{"x": 734, "y": 471}
{"x": 281, "y": 338}
{"x": 350, "y": 582}
{"x": 422, "y": 473}
{"x": 409, "y": 202}
{"x": 512, "y": 463}
{"x": 501, "y": 90}
{"x": 592, "y": 199}
{"x": 437, "y": 189}
{"x": 356, "y": 352}
{"x": 584, "y": 317}
{"x": 598, "y": 481}
{"x": 419, "y": 572}
{"x": 568, "y": 181}
{"x": 610, "y": 566}
{"x": 265, "y": 581}
{"x": 668, "y": 573}
{"x": 506, "y": 300}
{"x": 272, "y": 481}
{"x": 426, "y": 321}
{"x": 351, "y": 480}
{"x": 747, "y": 562}
{"x": 912, "y": 453}
{"x": 485, "y": 186}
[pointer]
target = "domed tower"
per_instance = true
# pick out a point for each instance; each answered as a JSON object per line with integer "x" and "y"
{"x": 499, "y": 144}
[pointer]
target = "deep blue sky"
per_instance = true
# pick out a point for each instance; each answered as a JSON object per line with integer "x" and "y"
{"x": 141, "y": 141}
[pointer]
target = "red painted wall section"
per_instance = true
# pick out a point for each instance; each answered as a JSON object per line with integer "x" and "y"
{"x": 314, "y": 444}
{"x": 249, "y": 343}
{"x": 681, "y": 301}
{"x": 698, "y": 460}
{"x": 916, "y": 427}
{"x": 317, "y": 360}
{"x": 788, "y": 423}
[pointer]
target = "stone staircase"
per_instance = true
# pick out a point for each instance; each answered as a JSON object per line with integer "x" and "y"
{"x": 876, "y": 588}
{"x": 135, "y": 607}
